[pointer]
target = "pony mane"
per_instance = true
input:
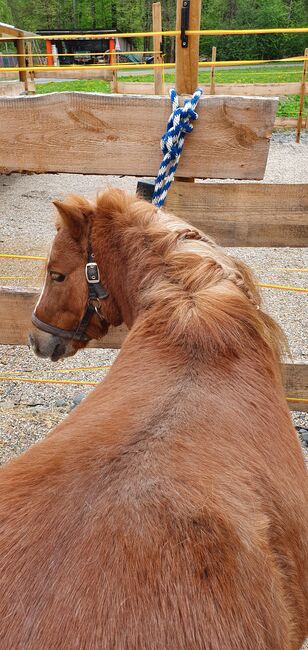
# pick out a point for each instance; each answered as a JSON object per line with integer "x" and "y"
{"x": 187, "y": 285}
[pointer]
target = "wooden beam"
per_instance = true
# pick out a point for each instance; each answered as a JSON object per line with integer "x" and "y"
{"x": 63, "y": 73}
{"x": 11, "y": 88}
{"x": 302, "y": 98}
{"x": 9, "y": 30}
{"x": 16, "y": 306}
{"x": 157, "y": 47}
{"x": 296, "y": 384}
{"x": 21, "y": 51}
{"x": 285, "y": 122}
{"x": 244, "y": 214}
{"x": 213, "y": 69}
{"x": 119, "y": 134}
{"x": 252, "y": 90}
{"x": 113, "y": 61}
{"x": 186, "y": 58}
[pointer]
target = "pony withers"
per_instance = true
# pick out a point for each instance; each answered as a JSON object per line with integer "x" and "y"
{"x": 169, "y": 509}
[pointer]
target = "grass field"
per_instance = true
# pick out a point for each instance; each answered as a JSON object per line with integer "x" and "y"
{"x": 256, "y": 74}
{"x": 288, "y": 106}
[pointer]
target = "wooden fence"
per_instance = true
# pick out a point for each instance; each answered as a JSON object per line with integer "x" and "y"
{"x": 252, "y": 89}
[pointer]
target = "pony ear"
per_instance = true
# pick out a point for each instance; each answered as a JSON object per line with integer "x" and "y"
{"x": 75, "y": 213}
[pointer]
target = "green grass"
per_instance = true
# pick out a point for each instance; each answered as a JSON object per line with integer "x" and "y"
{"x": 288, "y": 106}
{"x": 80, "y": 85}
{"x": 258, "y": 74}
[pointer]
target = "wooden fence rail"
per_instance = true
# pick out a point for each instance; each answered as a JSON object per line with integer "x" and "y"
{"x": 119, "y": 134}
{"x": 16, "y": 306}
{"x": 252, "y": 90}
{"x": 245, "y": 214}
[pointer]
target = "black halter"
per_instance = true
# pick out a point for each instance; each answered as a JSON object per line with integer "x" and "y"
{"x": 96, "y": 293}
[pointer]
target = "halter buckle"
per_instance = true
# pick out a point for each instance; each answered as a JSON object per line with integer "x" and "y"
{"x": 92, "y": 273}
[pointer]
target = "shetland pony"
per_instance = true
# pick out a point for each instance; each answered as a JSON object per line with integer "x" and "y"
{"x": 169, "y": 509}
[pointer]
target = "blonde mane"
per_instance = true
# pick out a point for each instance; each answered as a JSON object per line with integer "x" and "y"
{"x": 187, "y": 284}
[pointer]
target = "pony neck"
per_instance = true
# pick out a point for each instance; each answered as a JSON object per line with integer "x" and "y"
{"x": 178, "y": 288}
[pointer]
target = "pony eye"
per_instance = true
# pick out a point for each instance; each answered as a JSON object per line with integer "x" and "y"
{"x": 58, "y": 277}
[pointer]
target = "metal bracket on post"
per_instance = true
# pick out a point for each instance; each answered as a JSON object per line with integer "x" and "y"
{"x": 184, "y": 22}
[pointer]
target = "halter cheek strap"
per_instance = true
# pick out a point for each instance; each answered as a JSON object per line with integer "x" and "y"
{"x": 96, "y": 293}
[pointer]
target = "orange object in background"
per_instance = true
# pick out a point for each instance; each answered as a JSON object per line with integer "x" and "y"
{"x": 49, "y": 53}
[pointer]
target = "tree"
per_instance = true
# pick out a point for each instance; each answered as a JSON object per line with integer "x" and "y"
{"x": 5, "y": 13}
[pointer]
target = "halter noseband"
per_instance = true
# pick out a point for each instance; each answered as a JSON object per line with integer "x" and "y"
{"x": 96, "y": 293}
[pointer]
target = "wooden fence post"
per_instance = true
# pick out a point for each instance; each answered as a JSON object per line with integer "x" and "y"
{"x": 301, "y": 98}
{"x": 21, "y": 52}
{"x": 187, "y": 57}
{"x": 113, "y": 61}
{"x": 213, "y": 69}
{"x": 157, "y": 46}
{"x": 31, "y": 82}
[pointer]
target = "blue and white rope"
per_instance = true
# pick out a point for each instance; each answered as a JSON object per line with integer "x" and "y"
{"x": 179, "y": 124}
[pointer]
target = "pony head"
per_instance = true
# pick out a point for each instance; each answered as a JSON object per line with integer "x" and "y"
{"x": 74, "y": 306}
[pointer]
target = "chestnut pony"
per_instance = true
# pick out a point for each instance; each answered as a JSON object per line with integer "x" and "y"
{"x": 168, "y": 511}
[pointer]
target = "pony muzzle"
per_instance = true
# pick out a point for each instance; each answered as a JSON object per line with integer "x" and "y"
{"x": 49, "y": 346}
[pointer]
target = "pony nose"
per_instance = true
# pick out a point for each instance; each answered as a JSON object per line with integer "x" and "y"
{"x": 46, "y": 345}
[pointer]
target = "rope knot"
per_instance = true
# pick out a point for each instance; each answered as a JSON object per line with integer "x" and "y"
{"x": 172, "y": 141}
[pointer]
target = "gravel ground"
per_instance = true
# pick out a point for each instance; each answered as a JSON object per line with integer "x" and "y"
{"x": 29, "y": 411}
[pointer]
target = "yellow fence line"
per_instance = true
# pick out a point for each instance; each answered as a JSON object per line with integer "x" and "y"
{"x": 16, "y": 373}
{"x": 35, "y": 380}
{"x": 22, "y": 257}
{"x": 201, "y": 32}
{"x": 15, "y": 277}
{"x": 90, "y": 66}
{"x": 281, "y": 286}
{"x": 259, "y": 284}
{"x": 109, "y": 53}
{"x": 140, "y": 66}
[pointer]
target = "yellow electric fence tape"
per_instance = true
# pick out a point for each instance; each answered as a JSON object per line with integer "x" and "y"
{"x": 106, "y": 53}
{"x": 189, "y": 32}
{"x": 140, "y": 66}
{"x": 259, "y": 284}
{"x": 34, "y": 380}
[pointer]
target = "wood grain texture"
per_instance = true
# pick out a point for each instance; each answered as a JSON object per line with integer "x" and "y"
{"x": 186, "y": 59}
{"x": 9, "y": 30}
{"x": 296, "y": 384}
{"x": 253, "y": 90}
{"x": 16, "y": 306}
{"x": 302, "y": 98}
{"x": 67, "y": 73}
{"x": 244, "y": 214}
{"x": 157, "y": 47}
{"x": 11, "y": 88}
{"x": 119, "y": 134}
{"x": 286, "y": 122}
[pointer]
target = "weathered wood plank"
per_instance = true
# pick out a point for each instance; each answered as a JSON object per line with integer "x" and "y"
{"x": 68, "y": 73}
{"x": 245, "y": 214}
{"x": 252, "y": 90}
{"x": 187, "y": 57}
{"x": 120, "y": 134}
{"x": 286, "y": 122}
{"x": 11, "y": 88}
{"x": 157, "y": 47}
{"x": 16, "y": 306}
{"x": 296, "y": 384}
